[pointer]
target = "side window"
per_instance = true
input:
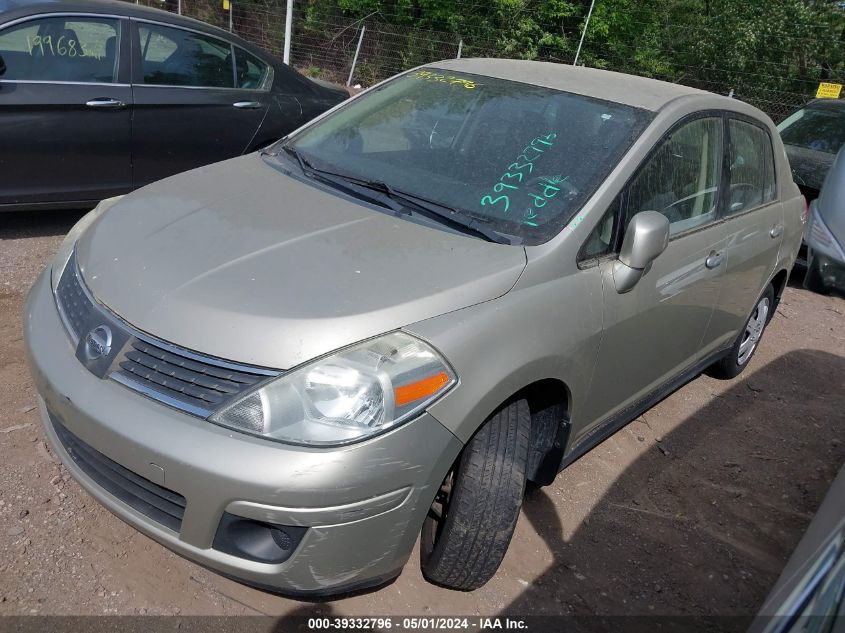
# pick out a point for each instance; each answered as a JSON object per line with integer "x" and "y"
{"x": 175, "y": 57}
{"x": 681, "y": 178}
{"x": 601, "y": 240}
{"x": 752, "y": 167}
{"x": 62, "y": 49}
{"x": 156, "y": 47}
{"x": 251, "y": 72}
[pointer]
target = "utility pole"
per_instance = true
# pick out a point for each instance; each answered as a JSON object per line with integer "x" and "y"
{"x": 584, "y": 32}
{"x": 288, "y": 28}
{"x": 355, "y": 59}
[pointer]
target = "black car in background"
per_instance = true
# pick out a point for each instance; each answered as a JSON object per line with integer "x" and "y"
{"x": 101, "y": 97}
{"x": 812, "y": 136}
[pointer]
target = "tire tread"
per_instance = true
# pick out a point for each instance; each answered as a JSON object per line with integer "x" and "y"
{"x": 485, "y": 502}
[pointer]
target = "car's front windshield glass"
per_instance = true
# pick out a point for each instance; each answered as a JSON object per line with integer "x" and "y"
{"x": 521, "y": 157}
{"x": 820, "y": 129}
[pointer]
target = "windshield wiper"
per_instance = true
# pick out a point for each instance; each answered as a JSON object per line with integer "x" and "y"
{"x": 458, "y": 219}
{"x": 347, "y": 183}
{"x": 303, "y": 162}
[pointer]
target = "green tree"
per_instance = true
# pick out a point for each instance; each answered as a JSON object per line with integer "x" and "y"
{"x": 772, "y": 52}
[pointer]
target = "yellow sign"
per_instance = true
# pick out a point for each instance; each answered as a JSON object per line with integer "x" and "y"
{"x": 226, "y": 5}
{"x": 828, "y": 91}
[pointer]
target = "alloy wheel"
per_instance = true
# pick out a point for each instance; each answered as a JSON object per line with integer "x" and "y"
{"x": 753, "y": 331}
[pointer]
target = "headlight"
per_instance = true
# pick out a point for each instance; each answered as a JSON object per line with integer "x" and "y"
{"x": 66, "y": 247}
{"x": 355, "y": 393}
{"x": 819, "y": 237}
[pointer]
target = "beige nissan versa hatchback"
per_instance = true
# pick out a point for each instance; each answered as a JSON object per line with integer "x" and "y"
{"x": 289, "y": 365}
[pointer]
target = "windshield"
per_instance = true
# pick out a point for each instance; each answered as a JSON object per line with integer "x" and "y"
{"x": 814, "y": 128}
{"x": 523, "y": 158}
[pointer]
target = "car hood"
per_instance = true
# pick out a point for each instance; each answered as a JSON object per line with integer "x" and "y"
{"x": 242, "y": 262}
{"x": 809, "y": 166}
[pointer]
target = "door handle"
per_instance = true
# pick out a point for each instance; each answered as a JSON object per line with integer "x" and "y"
{"x": 777, "y": 231}
{"x": 713, "y": 260}
{"x": 105, "y": 102}
{"x": 247, "y": 105}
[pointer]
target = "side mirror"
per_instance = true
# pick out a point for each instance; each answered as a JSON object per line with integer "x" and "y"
{"x": 2, "y": 66}
{"x": 647, "y": 237}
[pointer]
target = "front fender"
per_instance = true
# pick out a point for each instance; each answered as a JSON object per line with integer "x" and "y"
{"x": 551, "y": 330}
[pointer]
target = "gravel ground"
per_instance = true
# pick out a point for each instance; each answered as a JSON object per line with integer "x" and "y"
{"x": 692, "y": 509}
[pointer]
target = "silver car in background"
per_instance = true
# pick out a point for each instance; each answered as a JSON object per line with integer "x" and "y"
{"x": 825, "y": 234}
{"x": 291, "y": 365}
{"x": 809, "y": 596}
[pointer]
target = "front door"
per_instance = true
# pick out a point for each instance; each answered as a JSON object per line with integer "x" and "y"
{"x": 65, "y": 108}
{"x": 195, "y": 103}
{"x": 654, "y": 332}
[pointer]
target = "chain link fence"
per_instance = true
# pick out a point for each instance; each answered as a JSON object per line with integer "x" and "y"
{"x": 325, "y": 48}
{"x": 324, "y": 45}
{"x": 259, "y": 22}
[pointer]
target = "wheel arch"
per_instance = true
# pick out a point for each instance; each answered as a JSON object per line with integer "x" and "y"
{"x": 778, "y": 282}
{"x": 549, "y": 402}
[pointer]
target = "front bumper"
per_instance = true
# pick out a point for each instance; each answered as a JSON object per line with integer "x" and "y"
{"x": 362, "y": 505}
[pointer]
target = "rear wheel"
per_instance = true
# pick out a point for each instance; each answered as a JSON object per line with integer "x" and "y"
{"x": 471, "y": 522}
{"x": 749, "y": 337}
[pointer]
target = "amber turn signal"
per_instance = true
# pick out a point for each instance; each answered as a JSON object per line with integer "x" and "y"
{"x": 420, "y": 389}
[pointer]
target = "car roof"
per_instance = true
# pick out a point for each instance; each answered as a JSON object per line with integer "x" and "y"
{"x": 14, "y": 9}
{"x": 639, "y": 92}
{"x": 826, "y": 104}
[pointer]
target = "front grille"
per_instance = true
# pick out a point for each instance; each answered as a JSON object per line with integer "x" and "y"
{"x": 74, "y": 304}
{"x": 198, "y": 384}
{"x": 160, "y": 504}
{"x": 186, "y": 380}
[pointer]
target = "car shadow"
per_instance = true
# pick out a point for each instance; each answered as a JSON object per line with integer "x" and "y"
{"x": 297, "y": 619}
{"x": 21, "y": 224}
{"x": 700, "y": 525}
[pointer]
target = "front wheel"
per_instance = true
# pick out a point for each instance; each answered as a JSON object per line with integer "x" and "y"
{"x": 749, "y": 337}
{"x": 471, "y": 522}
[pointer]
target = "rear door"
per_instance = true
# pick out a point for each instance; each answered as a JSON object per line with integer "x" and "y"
{"x": 754, "y": 223}
{"x": 195, "y": 101}
{"x": 65, "y": 108}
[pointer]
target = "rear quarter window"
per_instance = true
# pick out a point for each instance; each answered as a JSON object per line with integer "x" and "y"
{"x": 252, "y": 73}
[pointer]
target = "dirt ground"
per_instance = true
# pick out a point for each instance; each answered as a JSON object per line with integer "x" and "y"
{"x": 693, "y": 509}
